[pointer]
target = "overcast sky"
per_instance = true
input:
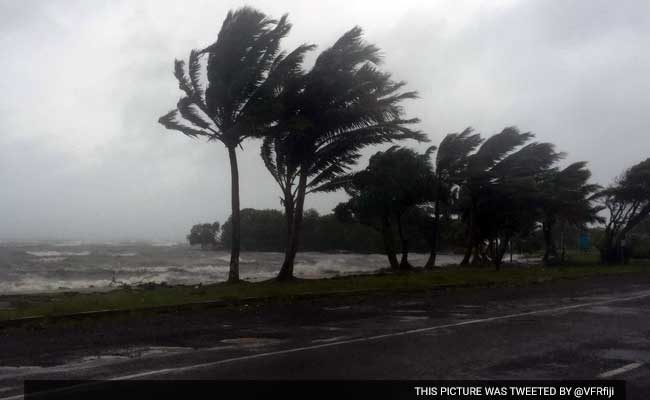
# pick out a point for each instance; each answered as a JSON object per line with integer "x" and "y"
{"x": 83, "y": 84}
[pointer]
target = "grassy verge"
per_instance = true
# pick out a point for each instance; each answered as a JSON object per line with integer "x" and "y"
{"x": 160, "y": 296}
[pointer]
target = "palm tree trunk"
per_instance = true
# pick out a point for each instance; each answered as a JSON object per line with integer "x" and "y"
{"x": 404, "y": 263}
{"x": 433, "y": 241}
{"x": 286, "y": 272}
{"x": 501, "y": 248}
{"x": 550, "y": 251}
{"x": 289, "y": 207}
{"x": 233, "y": 273}
{"x": 389, "y": 247}
{"x": 469, "y": 239}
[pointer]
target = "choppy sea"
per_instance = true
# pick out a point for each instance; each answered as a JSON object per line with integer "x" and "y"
{"x": 31, "y": 267}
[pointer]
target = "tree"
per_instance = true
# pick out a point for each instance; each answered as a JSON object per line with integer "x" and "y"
{"x": 628, "y": 203}
{"x": 394, "y": 182}
{"x": 567, "y": 199}
{"x": 261, "y": 230}
{"x": 244, "y": 68}
{"x": 498, "y": 196}
{"x": 204, "y": 234}
{"x": 343, "y": 104}
{"x": 450, "y": 167}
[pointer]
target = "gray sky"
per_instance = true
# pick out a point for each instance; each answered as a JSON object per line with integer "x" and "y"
{"x": 83, "y": 157}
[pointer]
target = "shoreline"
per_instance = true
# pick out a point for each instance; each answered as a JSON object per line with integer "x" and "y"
{"x": 25, "y": 308}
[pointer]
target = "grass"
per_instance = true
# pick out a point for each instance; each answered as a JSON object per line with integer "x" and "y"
{"x": 48, "y": 305}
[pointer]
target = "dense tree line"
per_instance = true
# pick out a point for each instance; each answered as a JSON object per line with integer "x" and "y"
{"x": 265, "y": 230}
{"x": 484, "y": 193}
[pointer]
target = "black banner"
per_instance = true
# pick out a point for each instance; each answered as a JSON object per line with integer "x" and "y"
{"x": 334, "y": 390}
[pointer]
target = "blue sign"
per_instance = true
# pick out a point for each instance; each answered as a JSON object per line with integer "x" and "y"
{"x": 584, "y": 241}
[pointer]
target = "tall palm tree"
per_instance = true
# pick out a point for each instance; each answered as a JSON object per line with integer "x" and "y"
{"x": 450, "y": 167}
{"x": 501, "y": 172}
{"x": 477, "y": 178}
{"x": 567, "y": 199}
{"x": 244, "y": 68}
{"x": 343, "y": 104}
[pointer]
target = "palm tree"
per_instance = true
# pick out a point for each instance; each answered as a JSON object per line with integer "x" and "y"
{"x": 244, "y": 68}
{"x": 450, "y": 167}
{"x": 499, "y": 194}
{"x": 343, "y": 104}
{"x": 477, "y": 178}
{"x": 567, "y": 199}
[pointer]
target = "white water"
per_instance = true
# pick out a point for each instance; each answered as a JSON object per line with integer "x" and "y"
{"x": 47, "y": 267}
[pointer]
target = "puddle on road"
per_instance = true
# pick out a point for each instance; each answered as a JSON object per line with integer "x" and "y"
{"x": 337, "y": 308}
{"x": 411, "y": 304}
{"x": 410, "y": 318}
{"x": 20, "y": 370}
{"x": 324, "y": 328}
{"x": 93, "y": 360}
{"x": 252, "y": 341}
{"x": 612, "y": 310}
{"x": 410, "y": 311}
{"x": 626, "y": 354}
{"x": 135, "y": 352}
{"x": 332, "y": 339}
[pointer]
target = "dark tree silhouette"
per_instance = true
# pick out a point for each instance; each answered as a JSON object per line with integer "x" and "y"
{"x": 498, "y": 196}
{"x": 343, "y": 104}
{"x": 628, "y": 203}
{"x": 394, "y": 182}
{"x": 244, "y": 69}
{"x": 568, "y": 200}
{"x": 450, "y": 168}
{"x": 204, "y": 234}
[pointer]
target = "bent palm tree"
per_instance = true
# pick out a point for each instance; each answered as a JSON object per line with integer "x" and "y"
{"x": 450, "y": 166}
{"x": 244, "y": 68}
{"x": 343, "y": 104}
{"x": 567, "y": 197}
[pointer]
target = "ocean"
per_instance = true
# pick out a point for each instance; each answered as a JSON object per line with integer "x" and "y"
{"x": 34, "y": 267}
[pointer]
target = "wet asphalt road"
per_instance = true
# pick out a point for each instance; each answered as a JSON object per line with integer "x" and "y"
{"x": 560, "y": 330}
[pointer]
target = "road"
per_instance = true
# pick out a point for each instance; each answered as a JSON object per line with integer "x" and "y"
{"x": 582, "y": 329}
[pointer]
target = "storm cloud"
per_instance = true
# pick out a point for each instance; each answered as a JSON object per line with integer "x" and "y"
{"x": 83, "y": 84}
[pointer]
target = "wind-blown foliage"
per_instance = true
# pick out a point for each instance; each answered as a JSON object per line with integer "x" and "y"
{"x": 568, "y": 200}
{"x": 244, "y": 70}
{"x": 498, "y": 195}
{"x": 343, "y": 104}
{"x": 394, "y": 182}
{"x": 628, "y": 203}
{"x": 450, "y": 168}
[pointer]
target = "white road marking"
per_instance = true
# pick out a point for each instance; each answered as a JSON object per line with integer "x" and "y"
{"x": 376, "y": 337}
{"x": 368, "y": 339}
{"x": 621, "y": 370}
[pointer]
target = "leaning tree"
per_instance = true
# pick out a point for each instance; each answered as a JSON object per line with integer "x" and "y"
{"x": 450, "y": 166}
{"x": 477, "y": 180}
{"x": 328, "y": 114}
{"x": 243, "y": 71}
{"x": 499, "y": 193}
{"x": 567, "y": 199}
{"x": 628, "y": 203}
